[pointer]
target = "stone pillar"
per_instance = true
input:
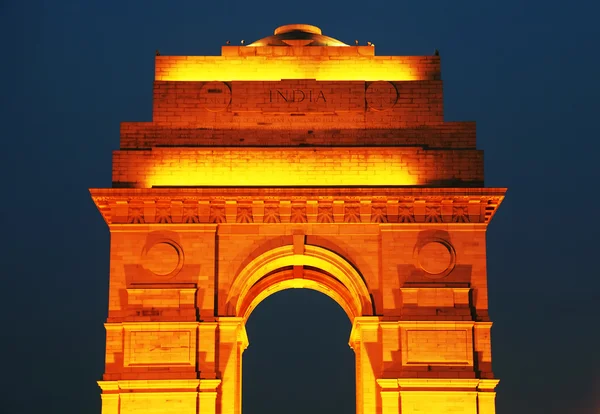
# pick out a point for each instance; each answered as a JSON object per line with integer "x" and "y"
{"x": 162, "y": 395}
{"x": 110, "y": 403}
{"x": 232, "y": 341}
{"x": 207, "y": 396}
{"x": 444, "y": 395}
{"x": 207, "y": 345}
{"x": 110, "y": 400}
{"x": 486, "y": 402}
{"x": 486, "y": 397}
{"x": 390, "y": 396}
{"x": 483, "y": 348}
{"x": 364, "y": 341}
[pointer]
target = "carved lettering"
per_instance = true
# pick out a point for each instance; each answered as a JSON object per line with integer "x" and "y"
{"x": 284, "y": 97}
{"x": 297, "y": 92}
{"x": 296, "y": 95}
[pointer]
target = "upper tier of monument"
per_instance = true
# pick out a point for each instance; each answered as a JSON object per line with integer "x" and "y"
{"x": 280, "y": 113}
{"x": 297, "y": 35}
{"x": 286, "y": 55}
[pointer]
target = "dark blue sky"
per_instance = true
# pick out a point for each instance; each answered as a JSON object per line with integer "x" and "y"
{"x": 526, "y": 71}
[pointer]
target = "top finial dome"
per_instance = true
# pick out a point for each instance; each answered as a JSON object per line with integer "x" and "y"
{"x": 306, "y": 28}
{"x": 298, "y": 35}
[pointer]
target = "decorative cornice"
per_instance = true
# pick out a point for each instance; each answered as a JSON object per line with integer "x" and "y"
{"x": 297, "y": 205}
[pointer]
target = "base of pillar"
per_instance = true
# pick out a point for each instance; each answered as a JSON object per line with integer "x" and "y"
{"x": 439, "y": 396}
{"x": 159, "y": 396}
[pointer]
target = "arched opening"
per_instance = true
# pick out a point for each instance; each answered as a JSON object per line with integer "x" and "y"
{"x": 331, "y": 274}
{"x": 298, "y": 360}
{"x": 300, "y": 379}
{"x": 295, "y": 278}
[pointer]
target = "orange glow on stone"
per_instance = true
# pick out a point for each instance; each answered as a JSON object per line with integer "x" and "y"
{"x": 262, "y": 68}
{"x": 296, "y": 148}
{"x": 281, "y": 167}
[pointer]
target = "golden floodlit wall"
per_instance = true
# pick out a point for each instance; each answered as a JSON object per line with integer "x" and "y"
{"x": 298, "y": 161}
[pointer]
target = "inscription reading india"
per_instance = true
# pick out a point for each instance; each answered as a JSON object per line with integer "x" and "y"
{"x": 296, "y": 95}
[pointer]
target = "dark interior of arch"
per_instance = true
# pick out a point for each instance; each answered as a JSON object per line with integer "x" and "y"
{"x": 298, "y": 360}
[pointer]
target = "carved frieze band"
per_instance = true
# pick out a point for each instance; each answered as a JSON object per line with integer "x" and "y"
{"x": 453, "y": 209}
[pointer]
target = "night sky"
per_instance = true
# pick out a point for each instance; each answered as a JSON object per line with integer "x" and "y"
{"x": 526, "y": 71}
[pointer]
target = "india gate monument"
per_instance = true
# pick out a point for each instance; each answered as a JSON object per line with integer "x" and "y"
{"x": 298, "y": 161}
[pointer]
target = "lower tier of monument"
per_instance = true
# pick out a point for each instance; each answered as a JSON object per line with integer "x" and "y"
{"x": 395, "y": 396}
{"x": 402, "y": 367}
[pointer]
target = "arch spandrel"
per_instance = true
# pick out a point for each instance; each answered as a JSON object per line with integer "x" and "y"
{"x": 246, "y": 254}
{"x": 331, "y": 274}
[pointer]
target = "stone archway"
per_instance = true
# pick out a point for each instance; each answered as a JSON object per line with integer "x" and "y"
{"x": 288, "y": 267}
{"x": 335, "y": 277}
{"x": 229, "y": 195}
{"x": 297, "y": 278}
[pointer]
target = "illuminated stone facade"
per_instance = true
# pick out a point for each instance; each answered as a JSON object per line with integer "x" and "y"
{"x": 298, "y": 162}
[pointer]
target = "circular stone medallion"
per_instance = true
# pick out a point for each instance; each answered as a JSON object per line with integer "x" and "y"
{"x": 436, "y": 258}
{"x": 381, "y": 96}
{"x": 215, "y": 96}
{"x": 162, "y": 259}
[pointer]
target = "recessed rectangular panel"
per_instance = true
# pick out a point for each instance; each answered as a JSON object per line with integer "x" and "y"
{"x": 437, "y": 347}
{"x": 159, "y": 347}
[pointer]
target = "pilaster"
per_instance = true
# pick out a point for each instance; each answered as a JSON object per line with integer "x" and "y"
{"x": 364, "y": 339}
{"x": 390, "y": 396}
{"x": 165, "y": 395}
{"x": 232, "y": 341}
